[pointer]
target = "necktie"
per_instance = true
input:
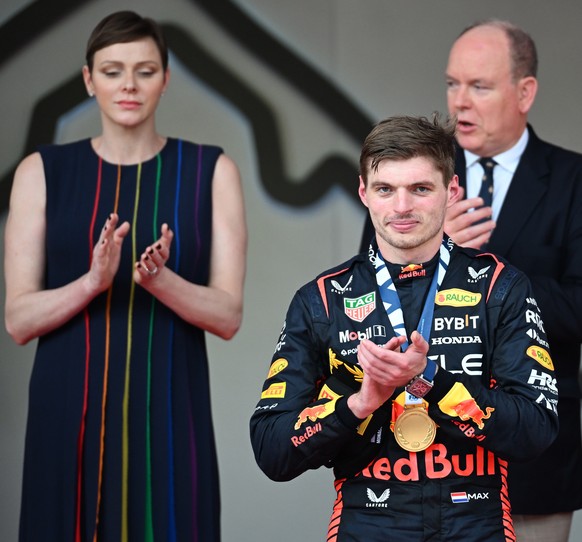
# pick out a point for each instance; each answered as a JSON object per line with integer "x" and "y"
{"x": 486, "y": 191}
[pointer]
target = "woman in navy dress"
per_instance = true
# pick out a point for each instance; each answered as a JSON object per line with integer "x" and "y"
{"x": 121, "y": 252}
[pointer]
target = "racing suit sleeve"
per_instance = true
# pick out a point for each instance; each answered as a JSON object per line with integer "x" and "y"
{"x": 294, "y": 393}
{"x": 512, "y": 410}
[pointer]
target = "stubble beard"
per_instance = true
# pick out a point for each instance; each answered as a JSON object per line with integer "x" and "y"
{"x": 409, "y": 241}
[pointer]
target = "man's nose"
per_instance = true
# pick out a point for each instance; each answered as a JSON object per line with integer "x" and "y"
{"x": 402, "y": 201}
{"x": 460, "y": 98}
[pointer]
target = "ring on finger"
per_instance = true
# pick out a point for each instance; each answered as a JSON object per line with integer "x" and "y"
{"x": 150, "y": 271}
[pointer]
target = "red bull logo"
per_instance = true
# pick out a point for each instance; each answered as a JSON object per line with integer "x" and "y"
{"x": 411, "y": 267}
{"x": 309, "y": 432}
{"x": 313, "y": 413}
{"x": 459, "y": 403}
{"x": 469, "y": 410}
{"x": 411, "y": 270}
{"x": 469, "y": 431}
{"x": 437, "y": 464}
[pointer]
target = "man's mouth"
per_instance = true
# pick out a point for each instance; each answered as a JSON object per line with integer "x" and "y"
{"x": 403, "y": 225}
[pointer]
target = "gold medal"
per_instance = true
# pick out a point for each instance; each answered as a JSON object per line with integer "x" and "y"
{"x": 414, "y": 430}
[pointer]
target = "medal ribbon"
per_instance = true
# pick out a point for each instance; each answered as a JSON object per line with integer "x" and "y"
{"x": 392, "y": 305}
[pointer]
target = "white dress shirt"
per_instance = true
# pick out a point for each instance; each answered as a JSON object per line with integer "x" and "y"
{"x": 502, "y": 173}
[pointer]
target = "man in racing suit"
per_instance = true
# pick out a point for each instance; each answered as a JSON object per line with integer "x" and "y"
{"x": 415, "y": 371}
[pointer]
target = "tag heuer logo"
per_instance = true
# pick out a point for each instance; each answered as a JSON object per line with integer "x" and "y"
{"x": 358, "y": 308}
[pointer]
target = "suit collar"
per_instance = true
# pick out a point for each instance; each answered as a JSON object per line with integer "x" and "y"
{"x": 460, "y": 166}
{"x": 528, "y": 186}
{"x": 508, "y": 159}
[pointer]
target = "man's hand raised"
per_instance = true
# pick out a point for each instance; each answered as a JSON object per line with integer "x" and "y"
{"x": 386, "y": 368}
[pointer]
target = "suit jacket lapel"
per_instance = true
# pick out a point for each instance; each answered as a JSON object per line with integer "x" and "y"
{"x": 527, "y": 188}
{"x": 461, "y": 167}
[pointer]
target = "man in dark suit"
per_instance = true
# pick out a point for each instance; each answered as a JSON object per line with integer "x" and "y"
{"x": 534, "y": 220}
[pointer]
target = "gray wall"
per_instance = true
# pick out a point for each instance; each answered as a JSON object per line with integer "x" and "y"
{"x": 385, "y": 58}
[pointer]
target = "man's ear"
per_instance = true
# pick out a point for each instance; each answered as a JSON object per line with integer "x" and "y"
{"x": 454, "y": 190}
{"x": 527, "y": 89}
{"x": 362, "y": 192}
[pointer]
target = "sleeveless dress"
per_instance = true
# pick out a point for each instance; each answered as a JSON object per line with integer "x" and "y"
{"x": 119, "y": 442}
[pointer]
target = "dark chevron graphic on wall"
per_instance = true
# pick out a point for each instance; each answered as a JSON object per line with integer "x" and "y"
{"x": 331, "y": 171}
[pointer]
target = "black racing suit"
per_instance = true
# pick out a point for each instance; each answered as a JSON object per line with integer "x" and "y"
{"x": 494, "y": 400}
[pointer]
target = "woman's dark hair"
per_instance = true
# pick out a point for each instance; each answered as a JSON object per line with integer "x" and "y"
{"x": 124, "y": 27}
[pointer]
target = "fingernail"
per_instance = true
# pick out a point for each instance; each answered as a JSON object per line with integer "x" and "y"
{"x": 159, "y": 246}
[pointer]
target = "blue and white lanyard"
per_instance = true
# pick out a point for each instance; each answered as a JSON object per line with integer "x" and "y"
{"x": 392, "y": 305}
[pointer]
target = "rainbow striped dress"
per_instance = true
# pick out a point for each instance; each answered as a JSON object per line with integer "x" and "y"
{"x": 119, "y": 442}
